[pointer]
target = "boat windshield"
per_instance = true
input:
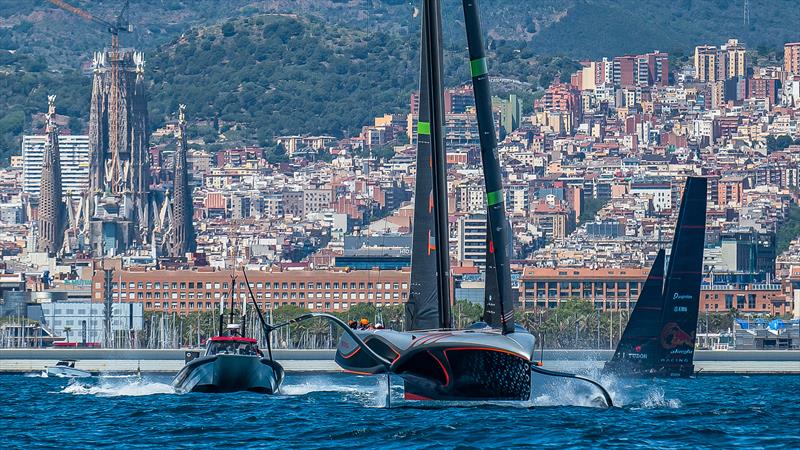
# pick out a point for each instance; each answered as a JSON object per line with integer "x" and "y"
{"x": 233, "y": 348}
{"x": 66, "y": 363}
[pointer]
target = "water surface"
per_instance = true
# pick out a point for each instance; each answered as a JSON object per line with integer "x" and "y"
{"x": 338, "y": 410}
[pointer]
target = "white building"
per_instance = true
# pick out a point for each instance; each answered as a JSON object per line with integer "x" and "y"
{"x": 472, "y": 239}
{"x": 659, "y": 192}
{"x": 86, "y": 319}
{"x": 74, "y": 152}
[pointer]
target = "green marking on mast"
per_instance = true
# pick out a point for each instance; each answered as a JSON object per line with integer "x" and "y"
{"x": 424, "y": 128}
{"x": 478, "y": 67}
{"x": 493, "y": 198}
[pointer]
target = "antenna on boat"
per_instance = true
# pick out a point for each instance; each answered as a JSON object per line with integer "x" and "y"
{"x": 221, "y": 314}
{"x": 267, "y": 328}
{"x": 233, "y": 297}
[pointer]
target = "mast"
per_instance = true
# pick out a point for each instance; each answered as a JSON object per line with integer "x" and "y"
{"x": 439, "y": 159}
{"x": 428, "y": 305}
{"x": 499, "y": 307}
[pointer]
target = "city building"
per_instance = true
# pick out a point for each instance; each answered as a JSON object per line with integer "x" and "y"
{"x": 706, "y": 63}
{"x": 184, "y": 291}
{"x": 84, "y": 322}
{"x": 745, "y": 298}
{"x": 471, "y": 232}
{"x": 791, "y": 58}
{"x": 607, "y": 289}
{"x": 74, "y": 158}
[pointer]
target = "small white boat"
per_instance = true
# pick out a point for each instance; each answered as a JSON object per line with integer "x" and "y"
{"x": 66, "y": 369}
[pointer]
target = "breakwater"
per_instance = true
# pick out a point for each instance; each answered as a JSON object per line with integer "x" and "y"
{"x": 296, "y": 360}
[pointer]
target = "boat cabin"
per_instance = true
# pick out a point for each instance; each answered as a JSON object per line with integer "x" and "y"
{"x": 233, "y": 345}
{"x": 66, "y": 363}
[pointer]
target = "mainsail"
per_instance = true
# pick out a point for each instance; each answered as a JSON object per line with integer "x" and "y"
{"x": 428, "y": 305}
{"x": 684, "y": 275}
{"x": 498, "y": 300}
{"x": 639, "y": 345}
{"x": 660, "y": 335}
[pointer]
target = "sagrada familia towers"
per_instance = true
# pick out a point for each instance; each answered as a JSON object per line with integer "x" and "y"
{"x": 181, "y": 236}
{"x": 120, "y": 204}
{"x": 51, "y": 204}
{"x": 117, "y": 214}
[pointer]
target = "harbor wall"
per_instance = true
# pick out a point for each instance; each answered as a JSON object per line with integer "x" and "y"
{"x": 171, "y": 361}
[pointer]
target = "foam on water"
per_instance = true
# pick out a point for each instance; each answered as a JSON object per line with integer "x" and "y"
{"x": 657, "y": 399}
{"x": 41, "y": 374}
{"x": 318, "y": 384}
{"x": 131, "y": 388}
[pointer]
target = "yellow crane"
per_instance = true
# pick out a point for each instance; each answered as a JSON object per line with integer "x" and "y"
{"x": 115, "y": 57}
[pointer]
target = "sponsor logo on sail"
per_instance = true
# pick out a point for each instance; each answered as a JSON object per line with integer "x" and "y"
{"x": 672, "y": 336}
{"x": 680, "y": 309}
{"x": 682, "y": 297}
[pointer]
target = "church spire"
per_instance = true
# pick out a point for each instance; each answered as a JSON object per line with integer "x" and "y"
{"x": 182, "y": 239}
{"x": 52, "y": 223}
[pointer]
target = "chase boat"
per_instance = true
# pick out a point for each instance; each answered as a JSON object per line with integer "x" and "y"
{"x": 66, "y": 369}
{"x": 230, "y": 364}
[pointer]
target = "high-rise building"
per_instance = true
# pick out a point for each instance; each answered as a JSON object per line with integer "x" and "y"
{"x": 706, "y": 62}
{"x": 74, "y": 155}
{"x": 714, "y": 64}
{"x": 182, "y": 239}
{"x": 625, "y": 70}
{"x": 472, "y": 239}
{"x": 791, "y": 58}
{"x": 119, "y": 185}
{"x": 52, "y": 213}
{"x": 510, "y": 111}
{"x": 735, "y": 55}
{"x": 657, "y": 68}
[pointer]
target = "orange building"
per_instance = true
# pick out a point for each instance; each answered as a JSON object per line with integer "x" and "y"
{"x": 730, "y": 190}
{"x": 791, "y": 57}
{"x": 184, "y": 291}
{"x": 756, "y": 298}
{"x": 606, "y": 288}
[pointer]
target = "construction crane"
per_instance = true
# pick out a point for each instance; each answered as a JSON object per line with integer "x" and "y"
{"x": 121, "y": 24}
{"x": 115, "y": 122}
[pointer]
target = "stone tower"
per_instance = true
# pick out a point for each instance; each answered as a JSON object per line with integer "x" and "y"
{"x": 52, "y": 212}
{"x": 182, "y": 239}
{"x": 119, "y": 185}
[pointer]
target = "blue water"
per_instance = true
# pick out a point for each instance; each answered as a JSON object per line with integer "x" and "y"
{"x": 331, "y": 411}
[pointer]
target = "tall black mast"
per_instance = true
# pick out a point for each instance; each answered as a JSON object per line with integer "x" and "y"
{"x": 422, "y": 307}
{"x": 433, "y": 19}
{"x": 499, "y": 236}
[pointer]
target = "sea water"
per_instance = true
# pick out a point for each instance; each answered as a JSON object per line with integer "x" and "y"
{"x": 339, "y": 410}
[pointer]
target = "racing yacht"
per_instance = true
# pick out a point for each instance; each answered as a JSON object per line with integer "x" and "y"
{"x": 660, "y": 336}
{"x": 491, "y": 360}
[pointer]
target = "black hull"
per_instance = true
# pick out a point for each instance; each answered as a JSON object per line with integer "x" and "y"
{"x": 448, "y": 365}
{"x": 229, "y": 373}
